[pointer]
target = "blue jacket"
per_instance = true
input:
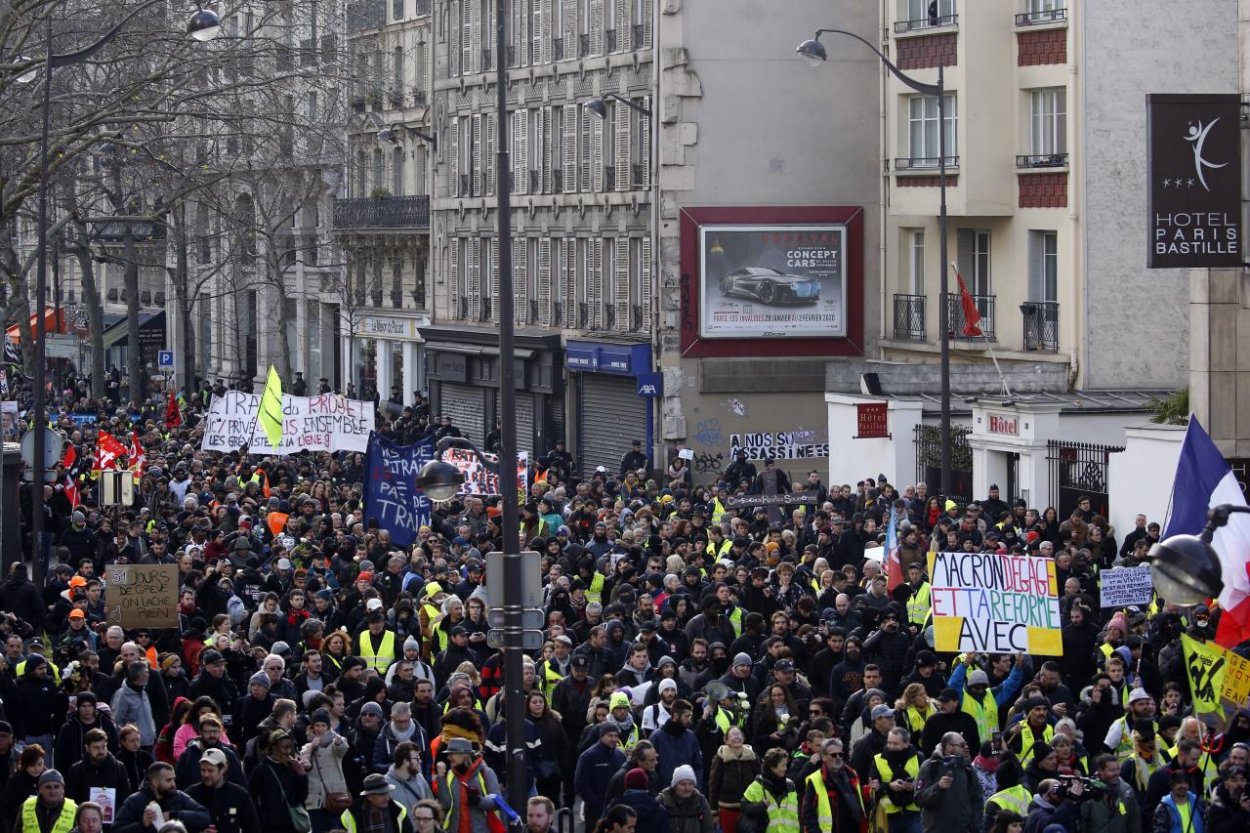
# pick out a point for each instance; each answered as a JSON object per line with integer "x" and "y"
{"x": 1168, "y": 818}
{"x": 676, "y": 749}
{"x": 651, "y": 813}
{"x": 595, "y": 768}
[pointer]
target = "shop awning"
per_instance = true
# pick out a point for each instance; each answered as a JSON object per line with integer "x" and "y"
{"x": 53, "y": 321}
{"x": 151, "y": 331}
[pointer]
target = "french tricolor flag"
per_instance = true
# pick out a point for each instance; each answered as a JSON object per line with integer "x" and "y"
{"x": 1203, "y": 480}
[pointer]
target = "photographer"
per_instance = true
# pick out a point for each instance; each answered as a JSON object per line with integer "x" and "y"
{"x": 948, "y": 791}
{"x": 1114, "y": 809}
{"x": 1230, "y": 803}
{"x": 1054, "y": 808}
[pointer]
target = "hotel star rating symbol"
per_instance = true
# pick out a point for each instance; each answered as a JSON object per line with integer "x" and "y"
{"x": 1179, "y": 182}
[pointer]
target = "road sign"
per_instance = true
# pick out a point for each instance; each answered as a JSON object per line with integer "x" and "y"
{"x": 60, "y": 346}
{"x": 52, "y": 449}
{"x": 531, "y": 640}
{"x": 165, "y": 359}
{"x": 531, "y": 578}
{"x": 530, "y": 618}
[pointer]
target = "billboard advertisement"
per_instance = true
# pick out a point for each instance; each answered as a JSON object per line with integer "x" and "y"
{"x": 1194, "y": 181}
{"x": 772, "y": 281}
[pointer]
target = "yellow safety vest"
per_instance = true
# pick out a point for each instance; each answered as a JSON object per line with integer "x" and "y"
{"x": 1028, "y": 741}
{"x": 783, "y": 815}
{"x": 824, "y": 810}
{"x": 717, "y": 552}
{"x": 594, "y": 593}
{"x": 912, "y": 769}
{"x": 64, "y": 822}
{"x": 1016, "y": 799}
{"x": 349, "y": 821}
{"x": 53, "y": 672}
{"x": 1124, "y": 748}
{"x": 985, "y": 713}
{"x": 550, "y": 678}
{"x": 1209, "y": 770}
{"x": 718, "y": 510}
{"x": 735, "y": 619}
{"x": 918, "y": 604}
{"x": 915, "y": 719}
{"x": 381, "y": 659}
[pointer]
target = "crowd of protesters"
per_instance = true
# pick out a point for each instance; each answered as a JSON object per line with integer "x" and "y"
{"x": 704, "y": 669}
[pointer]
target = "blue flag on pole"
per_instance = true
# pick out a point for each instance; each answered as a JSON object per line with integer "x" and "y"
{"x": 391, "y": 493}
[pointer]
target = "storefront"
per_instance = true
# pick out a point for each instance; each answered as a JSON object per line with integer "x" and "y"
{"x": 610, "y": 413}
{"x": 388, "y": 351}
{"x": 463, "y": 377}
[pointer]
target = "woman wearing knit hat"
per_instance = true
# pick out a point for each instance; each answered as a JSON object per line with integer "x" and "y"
{"x": 322, "y": 757}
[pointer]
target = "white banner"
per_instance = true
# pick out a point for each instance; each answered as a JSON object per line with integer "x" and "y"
{"x": 480, "y": 481}
{"x": 780, "y": 445}
{"x": 1122, "y": 586}
{"x": 327, "y": 422}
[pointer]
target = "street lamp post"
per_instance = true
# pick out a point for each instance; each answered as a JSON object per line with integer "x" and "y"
{"x": 813, "y": 51}
{"x": 204, "y": 25}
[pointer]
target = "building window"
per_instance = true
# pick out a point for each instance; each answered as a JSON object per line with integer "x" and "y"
{"x": 1036, "y": 7}
{"x": 397, "y": 10}
{"x": 930, "y": 13}
{"x": 1044, "y": 266}
{"x": 915, "y": 261}
{"x": 1048, "y": 122}
{"x": 397, "y": 172}
{"x": 922, "y": 131}
{"x": 974, "y": 260}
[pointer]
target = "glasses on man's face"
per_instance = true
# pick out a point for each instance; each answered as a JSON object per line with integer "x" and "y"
{"x": 833, "y": 754}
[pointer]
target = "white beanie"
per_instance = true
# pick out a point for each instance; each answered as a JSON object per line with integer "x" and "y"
{"x": 666, "y": 684}
{"x": 685, "y": 772}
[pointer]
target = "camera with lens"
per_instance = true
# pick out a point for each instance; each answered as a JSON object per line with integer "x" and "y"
{"x": 1090, "y": 786}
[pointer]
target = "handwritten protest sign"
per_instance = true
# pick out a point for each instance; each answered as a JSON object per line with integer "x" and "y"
{"x": 478, "y": 480}
{"x": 391, "y": 494}
{"x": 1122, "y": 586}
{"x": 327, "y": 422}
{"x": 142, "y": 595}
{"x": 1002, "y": 604}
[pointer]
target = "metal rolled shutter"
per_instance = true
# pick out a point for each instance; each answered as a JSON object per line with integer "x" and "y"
{"x": 466, "y": 406}
{"x": 524, "y": 422}
{"x": 612, "y": 416}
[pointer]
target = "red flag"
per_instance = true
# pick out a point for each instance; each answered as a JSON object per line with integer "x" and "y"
{"x": 71, "y": 491}
{"x": 972, "y": 315}
{"x": 71, "y": 455}
{"x": 173, "y": 416}
{"x": 137, "y": 456}
{"x": 108, "y": 449}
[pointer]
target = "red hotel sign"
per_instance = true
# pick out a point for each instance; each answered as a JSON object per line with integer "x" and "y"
{"x": 1004, "y": 425}
{"x": 873, "y": 420}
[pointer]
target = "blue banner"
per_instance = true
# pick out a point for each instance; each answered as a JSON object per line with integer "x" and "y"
{"x": 391, "y": 493}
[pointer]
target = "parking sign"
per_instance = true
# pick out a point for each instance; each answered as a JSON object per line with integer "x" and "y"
{"x": 165, "y": 359}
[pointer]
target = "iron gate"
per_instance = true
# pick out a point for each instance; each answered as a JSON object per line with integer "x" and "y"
{"x": 928, "y": 439}
{"x": 1078, "y": 469}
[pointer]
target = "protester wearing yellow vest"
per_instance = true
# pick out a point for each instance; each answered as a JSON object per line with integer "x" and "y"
{"x": 49, "y": 803}
{"x": 1034, "y": 729}
{"x": 979, "y": 701}
{"x": 833, "y": 800}
{"x": 1180, "y": 810}
{"x": 378, "y": 647}
{"x": 918, "y": 604}
{"x": 771, "y": 797}
{"x": 377, "y": 797}
{"x": 896, "y": 770}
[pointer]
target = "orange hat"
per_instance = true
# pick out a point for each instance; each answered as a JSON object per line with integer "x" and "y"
{"x": 365, "y": 576}
{"x": 78, "y": 581}
{"x": 77, "y": 613}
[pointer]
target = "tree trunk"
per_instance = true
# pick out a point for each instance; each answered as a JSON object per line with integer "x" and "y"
{"x": 186, "y": 302}
{"x": 134, "y": 354}
{"x": 95, "y": 312}
{"x": 285, "y": 362}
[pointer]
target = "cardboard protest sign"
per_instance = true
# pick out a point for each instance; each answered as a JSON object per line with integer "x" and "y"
{"x": 326, "y": 422}
{"x": 479, "y": 480}
{"x": 142, "y": 595}
{"x": 1002, "y": 604}
{"x": 1123, "y": 586}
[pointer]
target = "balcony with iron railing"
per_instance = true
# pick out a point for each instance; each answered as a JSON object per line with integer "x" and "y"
{"x": 533, "y": 312}
{"x": 535, "y": 181}
{"x": 583, "y": 315}
{"x": 959, "y": 322}
{"x": 1042, "y": 16}
{"x": 487, "y": 55}
{"x": 609, "y": 316}
{"x": 557, "y": 49}
{"x": 609, "y": 178}
{"x": 583, "y": 46}
{"x": 637, "y": 175}
{"x": 1041, "y": 326}
{"x": 557, "y": 181}
{"x": 925, "y": 164}
{"x": 636, "y": 318}
{"x": 485, "y": 308}
{"x": 933, "y": 21}
{"x": 411, "y": 213}
{"x": 909, "y": 323}
{"x": 1042, "y": 160}
{"x": 610, "y": 40}
{"x": 557, "y": 314}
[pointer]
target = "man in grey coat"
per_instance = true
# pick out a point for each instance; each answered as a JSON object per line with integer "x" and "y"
{"x": 948, "y": 791}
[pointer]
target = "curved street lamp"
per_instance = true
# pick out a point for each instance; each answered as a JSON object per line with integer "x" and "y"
{"x": 599, "y": 106}
{"x": 204, "y": 25}
{"x": 814, "y": 53}
{"x": 1185, "y": 569}
{"x": 441, "y": 480}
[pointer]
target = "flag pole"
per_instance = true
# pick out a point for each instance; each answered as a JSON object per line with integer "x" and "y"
{"x": 988, "y": 346}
